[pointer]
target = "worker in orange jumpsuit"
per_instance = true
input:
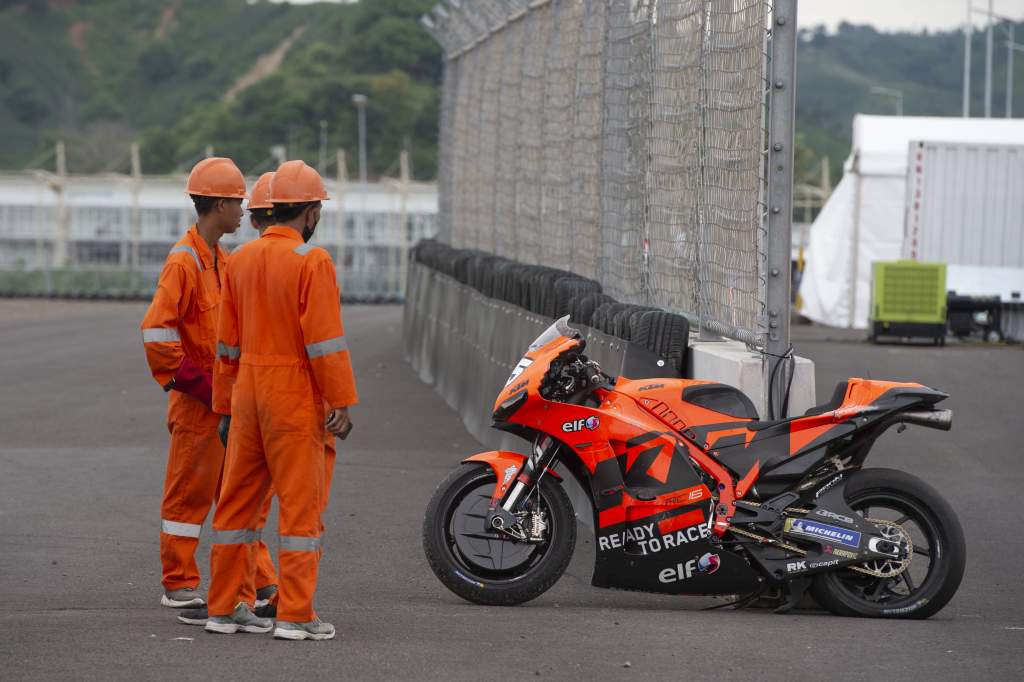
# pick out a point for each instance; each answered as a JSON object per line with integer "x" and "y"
{"x": 281, "y": 342}
{"x": 178, "y": 333}
{"x": 261, "y": 590}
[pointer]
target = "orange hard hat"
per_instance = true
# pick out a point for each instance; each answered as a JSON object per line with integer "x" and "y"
{"x": 216, "y": 177}
{"x": 260, "y": 196}
{"x": 296, "y": 183}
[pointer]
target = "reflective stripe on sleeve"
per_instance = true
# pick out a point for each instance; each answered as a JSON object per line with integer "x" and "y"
{"x": 228, "y": 352}
{"x": 335, "y": 345}
{"x": 303, "y": 249}
{"x": 298, "y": 543}
{"x": 233, "y": 537}
{"x": 185, "y": 530}
{"x": 188, "y": 249}
{"x": 160, "y": 335}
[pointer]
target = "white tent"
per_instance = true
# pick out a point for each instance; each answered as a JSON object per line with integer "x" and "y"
{"x": 863, "y": 220}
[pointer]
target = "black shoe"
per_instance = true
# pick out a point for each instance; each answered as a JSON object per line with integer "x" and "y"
{"x": 193, "y": 616}
{"x": 265, "y": 594}
{"x": 267, "y": 611}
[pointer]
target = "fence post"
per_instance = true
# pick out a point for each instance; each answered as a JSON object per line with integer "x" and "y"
{"x": 403, "y": 238}
{"x": 60, "y": 257}
{"x": 781, "y": 109}
{"x": 136, "y": 226}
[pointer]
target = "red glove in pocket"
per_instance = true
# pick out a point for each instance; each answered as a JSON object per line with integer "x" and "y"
{"x": 193, "y": 380}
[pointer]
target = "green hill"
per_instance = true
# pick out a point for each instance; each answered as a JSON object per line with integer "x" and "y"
{"x": 99, "y": 74}
{"x": 836, "y": 72}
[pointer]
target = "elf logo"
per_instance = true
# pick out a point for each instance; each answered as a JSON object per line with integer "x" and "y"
{"x": 577, "y": 425}
{"x": 709, "y": 563}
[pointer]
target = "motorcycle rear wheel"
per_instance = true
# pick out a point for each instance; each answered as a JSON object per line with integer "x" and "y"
{"x": 940, "y": 553}
{"x": 481, "y": 565}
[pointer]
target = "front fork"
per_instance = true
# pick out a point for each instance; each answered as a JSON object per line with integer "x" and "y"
{"x": 503, "y": 517}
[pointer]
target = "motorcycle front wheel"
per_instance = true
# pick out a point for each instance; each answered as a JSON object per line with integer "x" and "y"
{"x": 482, "y": 565}
{"x": 919, "y": 517}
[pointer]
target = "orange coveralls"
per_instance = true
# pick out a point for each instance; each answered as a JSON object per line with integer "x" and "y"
{"x": 282, "y": 346}
{"x": 178, "y": 333}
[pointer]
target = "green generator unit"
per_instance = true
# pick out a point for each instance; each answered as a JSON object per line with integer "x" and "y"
{"x": 908, "y": 300}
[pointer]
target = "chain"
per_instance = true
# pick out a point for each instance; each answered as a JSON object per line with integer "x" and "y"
{"x": 875, "y": 573}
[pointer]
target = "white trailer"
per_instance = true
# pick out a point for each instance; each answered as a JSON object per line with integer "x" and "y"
{"x": 965, "y": 208}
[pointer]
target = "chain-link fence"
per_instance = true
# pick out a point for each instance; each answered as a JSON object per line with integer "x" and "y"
{"x": 624, "y": 140}
{"x": 108, "y": 235}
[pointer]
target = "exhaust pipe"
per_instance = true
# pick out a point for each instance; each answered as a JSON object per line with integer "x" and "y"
{"x": 933, "y": 419}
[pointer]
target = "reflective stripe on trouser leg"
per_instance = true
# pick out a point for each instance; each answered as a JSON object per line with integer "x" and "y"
{"x": 233, "y": 537}
{"x": 185, "y": 530}
{"x": 298, "y": 543}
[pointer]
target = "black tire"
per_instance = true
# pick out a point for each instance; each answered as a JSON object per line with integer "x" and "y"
{"x": 622, "y": 322}
{"x": 570, "y": 288}
{"x": 604, "y": 317}
{"x": 495, "y": 586}
{"x": 666, "y": 335}
{"x": 845, "y": 592}
{"x": 584, "y": 307}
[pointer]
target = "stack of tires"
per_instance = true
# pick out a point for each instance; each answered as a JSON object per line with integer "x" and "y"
{"x": 555, "y": 293}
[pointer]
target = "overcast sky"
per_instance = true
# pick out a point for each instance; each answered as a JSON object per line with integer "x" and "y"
{"x": 901, "y": 14}
{"x": 887, "y": 15}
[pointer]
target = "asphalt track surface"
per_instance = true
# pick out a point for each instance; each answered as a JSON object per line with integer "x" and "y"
{"x": 82, "y": 451}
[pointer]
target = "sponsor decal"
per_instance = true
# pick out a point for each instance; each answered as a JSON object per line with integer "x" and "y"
{"x": 823, "y": 531}
{"x": 795, "y": 566}
{"x": 832, "y": 515}
{"x": 630, "y": 535}
{"x": 823, "y": 564}
{"x": 650, "y": 387}
{"x": 676, "y": 539}
{"x": 469, "y": 580}
{"x": 707, "y": 564}
{"x": 906, "y": 609}
{"x": 509, "y": 473}
{"x": 577, "y": 425}
{"x": 520, "y": 368}
{"x": 648, "y": 542}
{"x": 845, "y": 553}
{"x": 828, "y": 486}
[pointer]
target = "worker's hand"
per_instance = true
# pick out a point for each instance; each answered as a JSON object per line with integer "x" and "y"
{"x": 338, "y": 422}
{"x": 223, "y": 428}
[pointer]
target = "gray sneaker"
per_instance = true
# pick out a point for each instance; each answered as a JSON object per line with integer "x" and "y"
{"x": 193, "y": 616}
{"x": 242, "y": 620}
{"x": 185, "y": 598}
{"x": 313, "y": 629}
{"x": 264, "y": 595}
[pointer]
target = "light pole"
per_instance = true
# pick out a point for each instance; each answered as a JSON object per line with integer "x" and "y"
{"x": 360, "y": 101}
{"x": 988, "y": 62}
{"x": 1011, "y": 46}
{"x": 890, "y": 92}
{"x": 967, "y": 62}
{"x": 323, "y": 147}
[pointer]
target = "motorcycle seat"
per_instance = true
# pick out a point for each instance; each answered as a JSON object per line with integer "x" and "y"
{"x": 833, "y": 403}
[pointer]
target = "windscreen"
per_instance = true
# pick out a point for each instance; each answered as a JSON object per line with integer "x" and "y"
{"x": 559, "y": 328}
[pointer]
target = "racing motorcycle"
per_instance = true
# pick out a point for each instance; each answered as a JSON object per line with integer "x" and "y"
{"x": 693, "y": 494}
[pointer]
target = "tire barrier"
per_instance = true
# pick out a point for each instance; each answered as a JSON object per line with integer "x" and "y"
{"x": 469, "y": 317}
